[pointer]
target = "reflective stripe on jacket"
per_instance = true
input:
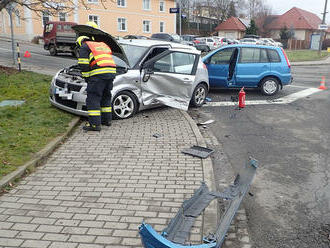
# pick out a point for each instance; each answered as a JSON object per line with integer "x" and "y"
{"x": 101, "y": 53}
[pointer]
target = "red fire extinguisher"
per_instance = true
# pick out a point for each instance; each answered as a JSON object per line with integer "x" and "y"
{"x": 241, "y": 98}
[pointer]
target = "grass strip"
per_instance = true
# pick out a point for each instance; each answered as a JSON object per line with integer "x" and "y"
{"x": 305, "y": 55}
{"x": 26, "y": 129}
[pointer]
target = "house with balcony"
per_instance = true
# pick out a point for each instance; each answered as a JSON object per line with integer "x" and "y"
{"x": 119, "y": 18}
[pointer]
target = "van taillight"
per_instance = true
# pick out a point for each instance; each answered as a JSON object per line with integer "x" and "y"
{"x": 286, "y": 58}
{"x": 204, "y": 66}
{"x": 214, "y": 44}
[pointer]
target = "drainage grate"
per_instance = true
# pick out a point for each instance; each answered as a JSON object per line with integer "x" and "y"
{"x": 198, "y": 151}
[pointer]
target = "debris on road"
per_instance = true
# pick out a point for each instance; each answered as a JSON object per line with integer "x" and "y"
{"x": 157, "y": 135}
{"x": 205, "y": 123}
{"x": 208, "y": 99}
{"x": 198, "y": 151}
{"x": 176, "y": 233}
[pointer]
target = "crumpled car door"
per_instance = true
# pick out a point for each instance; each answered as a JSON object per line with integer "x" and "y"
{"x": 169, "y": 79}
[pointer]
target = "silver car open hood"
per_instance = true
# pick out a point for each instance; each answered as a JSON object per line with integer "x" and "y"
{"x": 100, "y": 35}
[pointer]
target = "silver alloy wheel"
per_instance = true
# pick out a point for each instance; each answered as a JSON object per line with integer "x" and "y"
{"x": 270, "y": 86}
{"x": 123, "y": 105}
{"x": 200, "y": 95}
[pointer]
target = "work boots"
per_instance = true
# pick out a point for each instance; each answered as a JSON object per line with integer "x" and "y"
{"x": 106, "y": 123}
{"x": 89, "y": 127}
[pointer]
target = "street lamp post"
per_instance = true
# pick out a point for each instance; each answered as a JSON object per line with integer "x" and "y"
{"x": 323, "y": 22}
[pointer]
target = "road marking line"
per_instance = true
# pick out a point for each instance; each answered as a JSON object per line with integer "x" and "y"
{"x": 284, "y": 100}
{"x": 297, "y": 86}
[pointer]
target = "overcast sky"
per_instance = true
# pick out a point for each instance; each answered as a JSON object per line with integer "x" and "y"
{"x": 315, "y": 6}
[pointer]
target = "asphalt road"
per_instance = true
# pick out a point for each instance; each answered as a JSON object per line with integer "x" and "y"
{"x": 290, "y": 206}
{"x": 40, "y": 58}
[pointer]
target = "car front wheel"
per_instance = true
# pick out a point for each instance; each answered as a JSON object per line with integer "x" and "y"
{"x": 199, "y": 95}
{"x": 124, "y": 105}
{"x": 269, "y": 86}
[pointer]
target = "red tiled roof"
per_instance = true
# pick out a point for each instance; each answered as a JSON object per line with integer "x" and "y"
{"x": 296, "y": 18}
{"x": 232, "y": 23}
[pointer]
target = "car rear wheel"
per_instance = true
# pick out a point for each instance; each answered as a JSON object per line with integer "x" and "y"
{"x": 52, "y": 50}
{"x": 124, "y": 105}
{"x": 269, "y": 86}
{"x": 199, "y": 95}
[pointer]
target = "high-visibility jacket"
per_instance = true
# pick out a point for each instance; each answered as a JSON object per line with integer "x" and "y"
{"x": 96, "y": 58}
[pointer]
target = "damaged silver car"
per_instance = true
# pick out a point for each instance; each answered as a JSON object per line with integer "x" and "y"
{"x": 151, "y": 73}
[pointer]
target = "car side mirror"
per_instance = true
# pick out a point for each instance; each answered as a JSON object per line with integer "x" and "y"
{"x": 146, "y": 74}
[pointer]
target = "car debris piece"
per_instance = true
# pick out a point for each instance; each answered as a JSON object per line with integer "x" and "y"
{"x": 208, "y": 99}
{"x": 157, "y": 135}
{"x": 205, "y": 122}
{"x": 198, "y": 151}
{"x": 178, "y": 230}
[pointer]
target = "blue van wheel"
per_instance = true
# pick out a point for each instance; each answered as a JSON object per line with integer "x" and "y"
{"x": 269, "y": 86}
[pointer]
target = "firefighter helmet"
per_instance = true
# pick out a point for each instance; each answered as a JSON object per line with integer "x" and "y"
{"x": 92, "y": 24}
{"x": 80, "y": 39}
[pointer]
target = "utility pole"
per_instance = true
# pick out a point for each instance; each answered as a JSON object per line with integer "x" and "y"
{"x": 180, "y": 13}
{"x": 323, "y": 22}
{"x": 10, "y": 9}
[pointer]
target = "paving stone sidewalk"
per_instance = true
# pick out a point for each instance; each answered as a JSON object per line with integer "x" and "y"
{"x": 97, "y": 188}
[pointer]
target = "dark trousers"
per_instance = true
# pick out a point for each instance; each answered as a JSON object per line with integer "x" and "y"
{"x": 99, "y": 98}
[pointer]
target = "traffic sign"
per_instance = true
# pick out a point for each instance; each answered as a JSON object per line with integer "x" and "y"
{"x": 174, "y": 10}
{"x": 323, "y": 26}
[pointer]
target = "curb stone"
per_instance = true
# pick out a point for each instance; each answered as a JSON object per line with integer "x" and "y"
{"x": 39, "y": 157}
{"x": 209, "y": 222}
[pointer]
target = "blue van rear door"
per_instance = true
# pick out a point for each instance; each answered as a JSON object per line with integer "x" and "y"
{"x": 252, "y": 66}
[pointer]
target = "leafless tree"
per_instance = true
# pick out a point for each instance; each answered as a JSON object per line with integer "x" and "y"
{"x": 52, "y": 7}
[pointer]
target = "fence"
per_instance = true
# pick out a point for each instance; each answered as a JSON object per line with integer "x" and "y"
{"x": 297, "y": 44}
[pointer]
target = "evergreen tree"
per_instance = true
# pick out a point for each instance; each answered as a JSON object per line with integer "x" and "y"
{"x": 253, "y": 29}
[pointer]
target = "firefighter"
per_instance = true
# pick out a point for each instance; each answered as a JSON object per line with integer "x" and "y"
{"x": 99, "y": 70}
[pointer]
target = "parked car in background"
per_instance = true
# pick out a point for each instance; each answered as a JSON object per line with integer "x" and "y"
{"x": 222, "y": 41}
{"x": 251, "y": 66}
{"x": 188, "y": 39}
{"x": 59, "y": 37}
{"x": 151, "y": 73}
{"x": 267, "y": 42}
{"x": 209, "y": 41}
{"x": 253, "y": 36}
{"x": 200, "y": 44}
{"x": 270, "y": 42}
{"x": 250, "y": 41}
{"x": 167, "y": 37}
{"x": 130, "y": 36}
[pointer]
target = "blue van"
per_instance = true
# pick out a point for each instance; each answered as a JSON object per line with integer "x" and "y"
{"x": 250, "y": 66}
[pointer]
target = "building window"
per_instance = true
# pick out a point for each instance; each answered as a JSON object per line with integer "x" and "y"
{"x": 161, "y": 27}
{"x": 62, "y": 17}
{"x": 146, "y": 5}
{"x": 45, "y": 18}
{"x": 146, "y": 26}
{"x": 161, "y": 6}
{"x": 18, "y": 18}
{"x": 94, "y": 18}
{"x": 122, "y": 24}
{"x": 121, "y": 3}
{"x": 92, "y": 1}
